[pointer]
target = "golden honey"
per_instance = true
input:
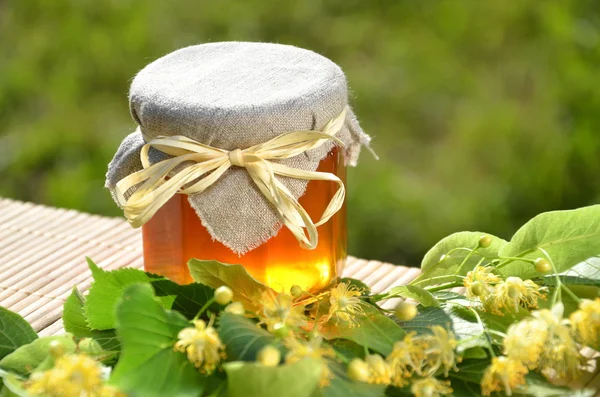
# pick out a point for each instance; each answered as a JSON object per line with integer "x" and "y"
{"x": 175, "y": 234}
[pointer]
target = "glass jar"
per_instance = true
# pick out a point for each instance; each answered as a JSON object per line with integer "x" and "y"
{"x": 174, "y": 235}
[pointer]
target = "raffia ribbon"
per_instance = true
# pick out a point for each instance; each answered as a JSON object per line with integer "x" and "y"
{"x": 209, "y": 164}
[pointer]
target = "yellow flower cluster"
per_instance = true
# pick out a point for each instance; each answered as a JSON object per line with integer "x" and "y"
{"x": 202, "y": 346}
{"x": 313, "y": 348}
{"x": 586, "y": 322}
{"x": 73, "y": 375}
{"x": 430, "y": 387}
{"x": 545, "y": 342}
{"x": 503, "y": 374}
{"x": 279, "y": 311}
{"x": 420, "y": 355}
{"x": 499, "y": 296}
{"x": 345, "y": 304}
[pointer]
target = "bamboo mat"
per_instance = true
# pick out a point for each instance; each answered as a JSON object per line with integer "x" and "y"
{"x": 43, "y": 250}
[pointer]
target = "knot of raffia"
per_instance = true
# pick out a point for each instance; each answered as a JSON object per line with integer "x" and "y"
{"x": 195, "y": 166}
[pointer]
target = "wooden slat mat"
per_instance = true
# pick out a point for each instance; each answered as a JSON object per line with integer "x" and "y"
{"x": 43, "y": 250}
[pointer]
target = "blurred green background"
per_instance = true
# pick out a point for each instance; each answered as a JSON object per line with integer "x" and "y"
{"x": 484, "y": 112}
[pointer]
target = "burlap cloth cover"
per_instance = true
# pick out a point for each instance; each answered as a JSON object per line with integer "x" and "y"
{"x": 234, "y": 95}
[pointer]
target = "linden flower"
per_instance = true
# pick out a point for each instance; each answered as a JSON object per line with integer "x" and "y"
{"x": 479, "y": 280}
{"x": 73, "y": 375}
{"x": 404, "y": 358}
{"x": 345, "y": 303}
{"x": 441, "y": 349}
{"x": 430, "y": 387}
{"x": 202, "y": 346}
{"x": 586, "y": 322}
{"x": 503, "y": 374}
{"x": 561, "y": 356}
{"x": 313, "y": 348}
{"x": 423, "y": 355}
{"x": 512, "y": 293}
{"x": 380, "y": 372}
{"x": 278, "y": 311}
{"x": 525, "y": 341}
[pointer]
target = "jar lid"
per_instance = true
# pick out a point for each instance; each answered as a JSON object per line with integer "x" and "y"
{"x": 234, "y": 95}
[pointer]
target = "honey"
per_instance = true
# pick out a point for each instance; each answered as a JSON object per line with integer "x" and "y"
{"x": 175, "y": 234}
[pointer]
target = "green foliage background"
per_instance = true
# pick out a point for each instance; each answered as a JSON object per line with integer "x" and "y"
{"x": 484, "y": 113}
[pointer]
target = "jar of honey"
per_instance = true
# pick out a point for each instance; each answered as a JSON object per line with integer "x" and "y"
{"x": 240, "y": 156}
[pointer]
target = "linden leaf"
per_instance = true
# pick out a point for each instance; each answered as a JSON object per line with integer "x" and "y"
{"x": 148, "y": 365}
{"x": 14, "y": 332}
{"x": 28, "y": 357}
{"x": 374, "y": 330}
{"x": 569, "y": 237}
{"x": 75, "y": 323}
{"x": 216, "y": 274}
{"x": 413, "y": 292}
{"x": 300, "y": 379}
{"x": 106, "y": 291}
{"x": 186, "y": 299}
{"x": 445, "y": 260}
{"x": 242, "y": 337}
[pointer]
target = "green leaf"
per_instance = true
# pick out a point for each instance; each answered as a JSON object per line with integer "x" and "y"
{"x": 290, "y": 380}
{"x": 106, "y": 291}
{"x": 584, "y": 273}
{"x": 476, "y": 352}
{"x": 569, "y": 237}
{"x": 14, "y": 332}
{"x": 443, "y": 261}
{"x": 413, "y": 292}
{"x": 148, "y": 365}
{"x": 242, "y": 337}
{"x": 216, "y": 274}
{"x": 28, "y": 357}
{"x": 342, "y": 386}
{"x": 347, "y": 349}
{"x": 75, "y": 323}
{"x": 538, "y": 386}
{"x": 187, "y": 299}
{"x": 13, "y": 387}
{"x": 374, "y": 330}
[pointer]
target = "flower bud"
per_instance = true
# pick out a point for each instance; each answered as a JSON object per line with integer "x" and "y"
{"x": 542, "y": 265}
{"x": 358, "y": 370}
{"x": 281, "y": 330}
{"x": 236, "y": 308}
{"x": 296, "y": 291}
{"x": 223, "y": 295}
{"x": 89, "y": 346}
{"x": 477, "y": 288}
{"x": 269, "y": 356}
{"x": 56, "y": 349}
{"x": 405, "y": 311}
{"x": 485, "y": 241}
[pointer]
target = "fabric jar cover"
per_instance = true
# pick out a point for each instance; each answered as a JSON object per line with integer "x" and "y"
{"x": 233, "y": 95}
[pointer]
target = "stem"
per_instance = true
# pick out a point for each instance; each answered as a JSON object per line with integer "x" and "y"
{"x": 512, "y": 259}
{"x": 571, "y": 294}
{"x": 484, "y": 332}
{"x": 444, "y": 286}
{"x": 429, "y": 279}
{"x": 556, "y": 295}
{"x": 465, "y": 260}
{"x": 203, "y": 308}
{"x": 517, "y": 259}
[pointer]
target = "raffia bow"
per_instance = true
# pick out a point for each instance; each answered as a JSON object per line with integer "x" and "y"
{"x": 157, "y": 186}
